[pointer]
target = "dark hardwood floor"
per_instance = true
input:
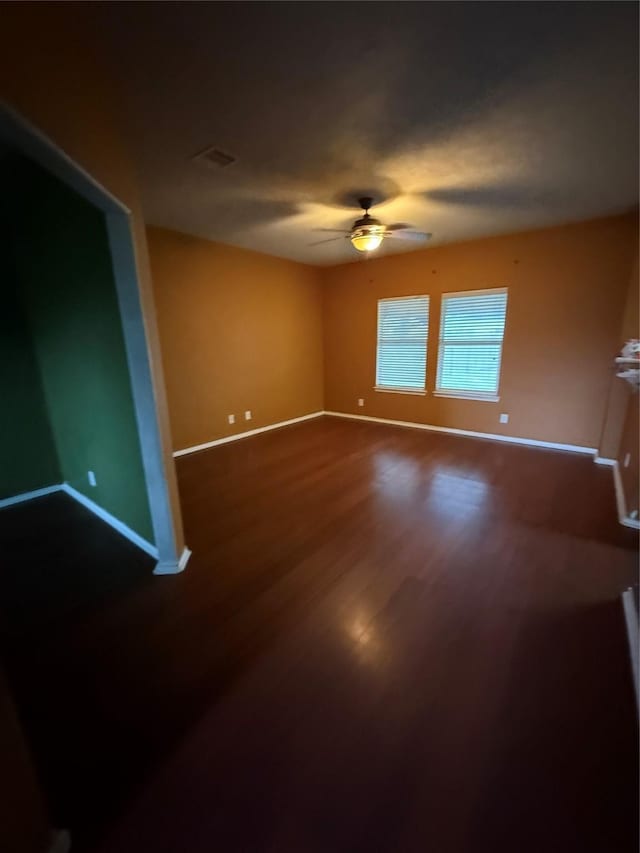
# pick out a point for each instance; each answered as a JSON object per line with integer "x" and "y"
{"x": 386, "y": 640}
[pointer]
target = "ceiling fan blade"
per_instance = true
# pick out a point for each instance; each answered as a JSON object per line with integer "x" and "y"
{"x": 333, "y": 230}
{"x": 329, "y": 240}
{"x": 398, "y": 226}
{"x": 417, "y": 236}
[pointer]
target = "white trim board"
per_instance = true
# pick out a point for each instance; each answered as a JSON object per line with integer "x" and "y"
{"x": 168, "y": 567}
{"x": 163, "y": 567}
{"x": 148, "y": 399}
{"x": 171, "y": 568}
{"x": 19, "y": 133}
{"x": 621, "y": 501}
{"x": 529, "y": 442}
{"x": 631, "y": 621}
{"x": 29, "y": 496}
{"x": 111, "y": 520}
{"x": 508, "y": 439}
{"x": 247, "y": 434}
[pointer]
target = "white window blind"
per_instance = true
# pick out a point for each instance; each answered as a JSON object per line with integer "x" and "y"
{"x": 401, "y": 361}
{"x": 470, "y": 350}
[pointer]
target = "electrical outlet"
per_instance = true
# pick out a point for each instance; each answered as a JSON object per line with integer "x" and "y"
{"x": 360, "y": 402}
{"x": 627, "y": 460}
{"x": 504, "y": 418}
{"x": 92, "y": 478}
{"x": 247, "y": 415}
{"x": 231, "y": 419}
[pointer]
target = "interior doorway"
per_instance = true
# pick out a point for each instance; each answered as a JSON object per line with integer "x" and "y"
{"x": 160, "y": 535}
{"x": 85, "y": 509}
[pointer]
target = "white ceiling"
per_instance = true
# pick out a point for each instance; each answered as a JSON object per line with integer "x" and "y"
{"x": 467, "y": 119}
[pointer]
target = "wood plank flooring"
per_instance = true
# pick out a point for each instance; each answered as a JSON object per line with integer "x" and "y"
{"x": 386, "y": 640}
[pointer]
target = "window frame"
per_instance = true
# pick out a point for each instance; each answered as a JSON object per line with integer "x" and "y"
{"x": 389, "y": 389}
{"x": 462, "y": 394}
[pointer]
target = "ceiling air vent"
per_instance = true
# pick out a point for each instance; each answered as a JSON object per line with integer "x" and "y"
{"x": 214, "y": 157}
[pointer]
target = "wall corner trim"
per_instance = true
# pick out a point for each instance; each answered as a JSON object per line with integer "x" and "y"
{"x": 228, "y": 438}
{"x": 162, "y": 568}
{"x": 111, "y": 520}
{"x": 169, "y": 568}
{"x": 145, "y": 376}
{"x": 509, "y": 439}
{"x": 604, "y": 460}
{"x": 621, "y": 503}
{"x": 631, "y": 621}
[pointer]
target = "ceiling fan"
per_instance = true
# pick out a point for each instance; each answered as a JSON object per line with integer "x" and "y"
{"x": 367, "y": 233}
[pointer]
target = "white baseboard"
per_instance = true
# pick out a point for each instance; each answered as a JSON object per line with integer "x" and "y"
{"x": 529, "y": 442}
{"x": 90, "y": 505}
{"x": 111, "y": 520}
{"x": 171, "y": 568}
{"x": 631, "y": 620}
{"x": 604, "y": 460}
{"x": 247, "y": 434}
{"x": 623, "y": 516}
{"x": 162, "y": 568}
{"x": 509, "y": 439}
{"x": 29, "y": 496}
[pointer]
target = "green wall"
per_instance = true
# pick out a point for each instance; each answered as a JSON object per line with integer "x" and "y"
{"x": 63, "y": 263}
{"x": 28, "y": 456}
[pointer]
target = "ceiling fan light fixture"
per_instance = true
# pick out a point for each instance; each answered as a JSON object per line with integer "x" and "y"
{"x": 367, "y": 240}
{"x": 367, "y": 233}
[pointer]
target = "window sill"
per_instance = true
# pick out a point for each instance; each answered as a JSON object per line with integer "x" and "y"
{"x": 461, "y": 395}
{"x": 415, "y": 392}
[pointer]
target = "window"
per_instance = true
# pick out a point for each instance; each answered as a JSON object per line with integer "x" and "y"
{"x": 401, "y": 361}
{"x": 471, "y": 332}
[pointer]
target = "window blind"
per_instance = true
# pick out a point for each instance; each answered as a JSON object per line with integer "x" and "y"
{"x": 470, "y": 347}
{"x": 401, "y": 361}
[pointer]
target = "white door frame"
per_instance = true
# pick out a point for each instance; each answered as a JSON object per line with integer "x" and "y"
{"x": 19, "y": 134}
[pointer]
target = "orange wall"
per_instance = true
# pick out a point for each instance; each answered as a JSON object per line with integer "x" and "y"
{"x": 239, "y": 330}
{"x": 567, "y": 289}
{"x": 631, "y": 319}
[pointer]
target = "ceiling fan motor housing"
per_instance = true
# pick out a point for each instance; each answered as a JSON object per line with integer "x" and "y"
{"x": 365, "y": 222}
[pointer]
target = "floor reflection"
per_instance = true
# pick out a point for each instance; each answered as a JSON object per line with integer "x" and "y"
{"x": 446, "y": 491}
{"x": 364, "y": 638}
{"x": 452, "y": 495}
{"x": 397, "y": 476}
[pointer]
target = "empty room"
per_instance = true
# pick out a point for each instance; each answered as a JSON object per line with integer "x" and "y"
{"x": 319, "y": 481}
